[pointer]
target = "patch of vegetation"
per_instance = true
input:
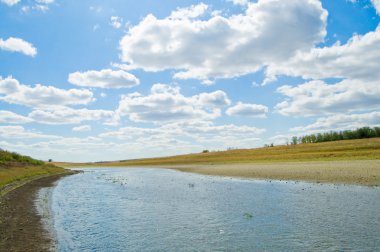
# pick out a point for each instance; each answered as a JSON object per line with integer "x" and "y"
{"x": 15, "y": 167}
{"x": 360, "y": 133}
{"x": 7, "y": 157}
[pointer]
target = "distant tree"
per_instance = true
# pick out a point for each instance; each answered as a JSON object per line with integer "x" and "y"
{"x": 50, "y": 160}
{"x": 377, "y": 131}
{"x": 294, "y": 140}
{"x": 364, "y": 132}
{"x": 205, "y": 151}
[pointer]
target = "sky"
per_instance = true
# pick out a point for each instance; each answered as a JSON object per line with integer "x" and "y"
{"x": 95, "y": 80}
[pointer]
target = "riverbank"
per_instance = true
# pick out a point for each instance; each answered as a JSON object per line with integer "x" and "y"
{"x": 356, "y": 172}
{"x": 21, "y": 228}
{"x": 344, "y": 162}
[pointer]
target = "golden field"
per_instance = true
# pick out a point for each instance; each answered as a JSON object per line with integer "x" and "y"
{"x": 360, "y": 149}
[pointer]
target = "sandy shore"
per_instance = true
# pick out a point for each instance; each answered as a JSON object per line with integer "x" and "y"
{"x": 360, "y": 172}
{"x": 21, "y": 228}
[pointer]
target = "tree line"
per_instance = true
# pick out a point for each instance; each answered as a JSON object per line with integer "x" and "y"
{"x": 360, "y": 133}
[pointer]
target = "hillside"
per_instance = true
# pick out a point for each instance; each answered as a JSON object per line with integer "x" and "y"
{"x": 15, "y": 167}
{"x": 359, "y": 149}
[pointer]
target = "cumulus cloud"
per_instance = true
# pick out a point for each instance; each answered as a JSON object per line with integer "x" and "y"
{"x": 10, "y": 2}
{"x": 82, "y": 128}
{"x": 239, "y": 2}
{"x": 130, "y": 142}
{"x": 105, "y": 78}
{"x": 165, "y": 103}
{"x": 204, "y": 134}
{"x": 268, "y": 31}
{"x": 341, "y": 122}
{"x": 357, "y": 59}
{"x": 319, "y": 98}
{"x": 10, "y": 117}
{"x": 116, "y": 22}
{"x": 193, "y": 11}
{"x": 66, "y": 115}
{"x": 18, "y": 45}
{"x": 12, "y": 91}
{"x": 244, "y": 109}
{"x": 19, "y": 132}
{"x": 376, "y": 4}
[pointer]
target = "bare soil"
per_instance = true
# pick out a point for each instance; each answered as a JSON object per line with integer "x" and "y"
{"x": 21, "y": 228}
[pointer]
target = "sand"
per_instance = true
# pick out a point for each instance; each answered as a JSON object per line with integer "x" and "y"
{"x": 357, "y": 172}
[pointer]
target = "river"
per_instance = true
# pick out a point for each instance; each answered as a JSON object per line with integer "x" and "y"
{"x": 142, "y": 209}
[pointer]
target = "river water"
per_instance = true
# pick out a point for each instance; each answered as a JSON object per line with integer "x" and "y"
{"x": 165, "y": 210}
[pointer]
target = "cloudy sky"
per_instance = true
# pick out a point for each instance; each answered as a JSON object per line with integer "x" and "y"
{"x": 95, "y": 80}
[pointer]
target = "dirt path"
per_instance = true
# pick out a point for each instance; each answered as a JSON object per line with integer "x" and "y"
{"x": 20, "y": 226}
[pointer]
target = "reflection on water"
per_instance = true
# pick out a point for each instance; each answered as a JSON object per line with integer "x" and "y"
{"x": 164, "y": 210}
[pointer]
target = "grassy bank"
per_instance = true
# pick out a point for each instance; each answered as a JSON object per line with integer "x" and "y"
{"x": 17, "y": 168}
{"x": 360, "y": 149}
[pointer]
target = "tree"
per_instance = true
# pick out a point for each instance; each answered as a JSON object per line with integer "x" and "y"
{"x": 294, "y": 140}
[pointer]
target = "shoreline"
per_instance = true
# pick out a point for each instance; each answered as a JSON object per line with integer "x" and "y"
{"x": 349, "y": 172}
{"x": 21, "y": 225}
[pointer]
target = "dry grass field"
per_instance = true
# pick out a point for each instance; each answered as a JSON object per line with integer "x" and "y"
{"x": 15, "y": 167}
{"x": 347, "y": 162}
{"x": 360, "y": 149}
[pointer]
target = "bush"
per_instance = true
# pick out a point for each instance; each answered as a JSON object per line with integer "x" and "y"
{"x": 364, "y": 132}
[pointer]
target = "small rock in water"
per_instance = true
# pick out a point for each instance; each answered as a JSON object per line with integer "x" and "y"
{"x": 248, "y": 216}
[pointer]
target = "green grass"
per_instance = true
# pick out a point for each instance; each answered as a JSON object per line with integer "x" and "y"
{"x": 15, "y": 167}
{"x": 360, "y": 149}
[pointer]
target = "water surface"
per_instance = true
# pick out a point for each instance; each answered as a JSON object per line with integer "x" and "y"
{"x": 164, "y": 210}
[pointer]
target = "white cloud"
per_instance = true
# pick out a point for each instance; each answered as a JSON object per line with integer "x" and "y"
{"x": 319, "y": 98}
{"x": 10, "y": 117}
{"x": 66, "y": 115}
{"x": 19, "y": 132}
{"x": 203, "y": 134}
{"x": 116, "y": 22}
{"x": 11, "y": 91}
{"x": 41, "y": 7}
{"x": 376, "y": 4}
{"x": 82, "y": 128}
{"x": 193, "y": 11}
{"x": 244, "y": 109}
{"x": 341, "y": 122}
{"x": 239, "y": 2}
{"x": 267, "y": 32}
{"x": 105, "y": 78}
{"x": 18, "y": 45}
{"x": 10, "y": 2}
{"x": 214, "y": 99}
{"x": 130, "y": 142}
{"x": 357, "y": 59}
{"x": 165, "y": 103}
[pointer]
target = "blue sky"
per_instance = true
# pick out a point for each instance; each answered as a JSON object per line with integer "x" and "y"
{"x": 104, "y": 80}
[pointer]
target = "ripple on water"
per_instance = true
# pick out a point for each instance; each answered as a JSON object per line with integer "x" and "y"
{"x": 164, "y": 210}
